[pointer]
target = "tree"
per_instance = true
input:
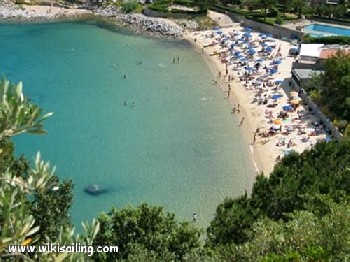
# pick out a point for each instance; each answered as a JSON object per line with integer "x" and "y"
{"x": 299, "y": 6}
{"x": 24, "y": 190}
{"x": 149, "y": 229}
{"x": 305, "y": 237}
{"x": 325, "y": 169}
{"x": 335, "y": 88}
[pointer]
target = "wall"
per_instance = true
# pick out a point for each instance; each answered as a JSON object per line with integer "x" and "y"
{"x": 276, "y": 30}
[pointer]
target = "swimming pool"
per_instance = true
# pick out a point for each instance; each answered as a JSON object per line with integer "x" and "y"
{"x": 319, "y": 30}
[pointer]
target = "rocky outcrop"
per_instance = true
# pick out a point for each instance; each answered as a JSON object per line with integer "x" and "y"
{"x": 137, "y": 22}
{"x": 143, "y": 23}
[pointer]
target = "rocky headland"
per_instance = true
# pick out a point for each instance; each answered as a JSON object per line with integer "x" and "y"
{"x": 137, "y": 22}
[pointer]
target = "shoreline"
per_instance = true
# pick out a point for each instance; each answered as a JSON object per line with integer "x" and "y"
{"x": 57, "y": 14}
{"x": 256, "y": 119}
{"x": 215, "y": 66}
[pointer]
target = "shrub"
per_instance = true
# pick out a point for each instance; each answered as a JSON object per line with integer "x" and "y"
{"x": 279, "y": 20}
{"x": 129, "y": 6}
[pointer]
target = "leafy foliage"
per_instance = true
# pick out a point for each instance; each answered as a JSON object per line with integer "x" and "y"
{"x": 149, "y": 229}
{"x": 291, "y": 186}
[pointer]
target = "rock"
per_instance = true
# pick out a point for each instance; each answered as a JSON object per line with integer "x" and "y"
{"x": 95, "y": 190}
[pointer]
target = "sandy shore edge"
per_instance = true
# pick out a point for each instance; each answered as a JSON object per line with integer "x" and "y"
{"x": 261, "y": 163}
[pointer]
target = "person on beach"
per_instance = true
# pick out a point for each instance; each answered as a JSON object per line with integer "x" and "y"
{"x": 194, "y": 217}
{"x": 219, "y": 74}
{"x": 174, "y": 60}
{"x": 178, "y": 59}
{"x": 241, "y": 123}
{"x": 228, "y": 91}
{"x": 254, "y": 138}
{"x": 233, "y": 109}
{"x": 238, "y": 110}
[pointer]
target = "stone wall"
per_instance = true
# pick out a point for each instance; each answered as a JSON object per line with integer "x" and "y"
{"x": 148, "y": 12}
{"x": 276, "y": 30}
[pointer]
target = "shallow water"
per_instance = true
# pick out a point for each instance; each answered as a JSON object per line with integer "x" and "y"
{"x": 178, "y": 146}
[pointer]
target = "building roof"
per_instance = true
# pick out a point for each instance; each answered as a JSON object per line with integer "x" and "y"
{"x": 327, "y": 52}
{"x": 322, "y": 51}
{"x": 311, "y": 50}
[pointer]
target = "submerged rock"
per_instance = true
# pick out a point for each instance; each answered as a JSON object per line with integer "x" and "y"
{"x": 95, "y": 190}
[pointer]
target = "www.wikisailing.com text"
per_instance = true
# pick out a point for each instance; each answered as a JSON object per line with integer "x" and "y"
{"x": 56, "y": 248}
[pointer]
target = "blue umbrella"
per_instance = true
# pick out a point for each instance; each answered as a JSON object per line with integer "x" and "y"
{"x": 216, "y": 28}
{"x": 243, "y": 59}
{"x": 269, "y": 35}
{"x": 251, "y": 52}
{"x": 247, "y": 35}
{"x": 276, "y": 96}
{"x": 278, "y": 82}
{"x": 249, "y": 68}
{"x": 287, "y": 107}
{"x": 248, "y": 28}
{"x": 264, "y": 44}
{"x": 258, "y": 59}
{"x": 268, "y": 49}
{"x": 236, "y": 33}
{"x": 262, "y": 34}
{"x": 277, "y": 62}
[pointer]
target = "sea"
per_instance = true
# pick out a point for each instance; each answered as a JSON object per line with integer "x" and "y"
{"x": 127, "y": 118}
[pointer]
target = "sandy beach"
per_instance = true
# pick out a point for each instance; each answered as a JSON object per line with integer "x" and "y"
{"x": 295, "y": 132}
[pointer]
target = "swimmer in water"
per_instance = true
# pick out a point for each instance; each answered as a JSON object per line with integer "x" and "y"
{"x": 124, "y": 76}
{"x": 133, "y": 103}
{"x": 115, "y": 65}
{"x": 125, "y": 103}
{"x": 139, "y": 62}
{"x": 161, "y": 65}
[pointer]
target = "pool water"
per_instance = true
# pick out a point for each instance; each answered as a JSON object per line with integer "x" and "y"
{"x": 318, "y": 30}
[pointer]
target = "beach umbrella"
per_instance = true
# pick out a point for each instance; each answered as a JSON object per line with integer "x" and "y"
{"x": 276, "y": 127}
{"x": 294, "y": 94}
{"x": 243, "y": 59}
{"x": 247, "y": 35}
{"x": 277, "y": 61}
{"x": 248, "y": 29}
{"x": 287, "y": 107}
{"x": 294, "y": 102}
{"x": 216, "y": 28}
{"x": 258, "y": 59}
{"x": 264, "y": 44}
{"x": 262, "y": 34}
{"x": 268, "y": 49}
{"x": 251, "y": 52}
{"x": 276, "y": 96}
{"x": 249, "y": 68}
{"x": 269, "y": 35}
{"x": 278, "y": 82}
{"x": 236, "y": 33}
{"x": 277, "y": 121}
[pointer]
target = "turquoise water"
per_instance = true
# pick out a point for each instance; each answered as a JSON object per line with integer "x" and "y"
{"x": 174, "y": 148}
{"x": 318, "y": 30}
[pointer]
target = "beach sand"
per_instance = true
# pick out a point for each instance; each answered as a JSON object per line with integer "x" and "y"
{"x": 264, "y": 150}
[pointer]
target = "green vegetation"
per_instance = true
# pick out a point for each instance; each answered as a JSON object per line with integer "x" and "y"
{"x": 328, "y": 40}
{"x": 300, "y": 212}
{"x": 132, "y": 6}
{"x": 331, "y": 90}
{"x": 149, "y": 229}
{"x": 277, "y": 11}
